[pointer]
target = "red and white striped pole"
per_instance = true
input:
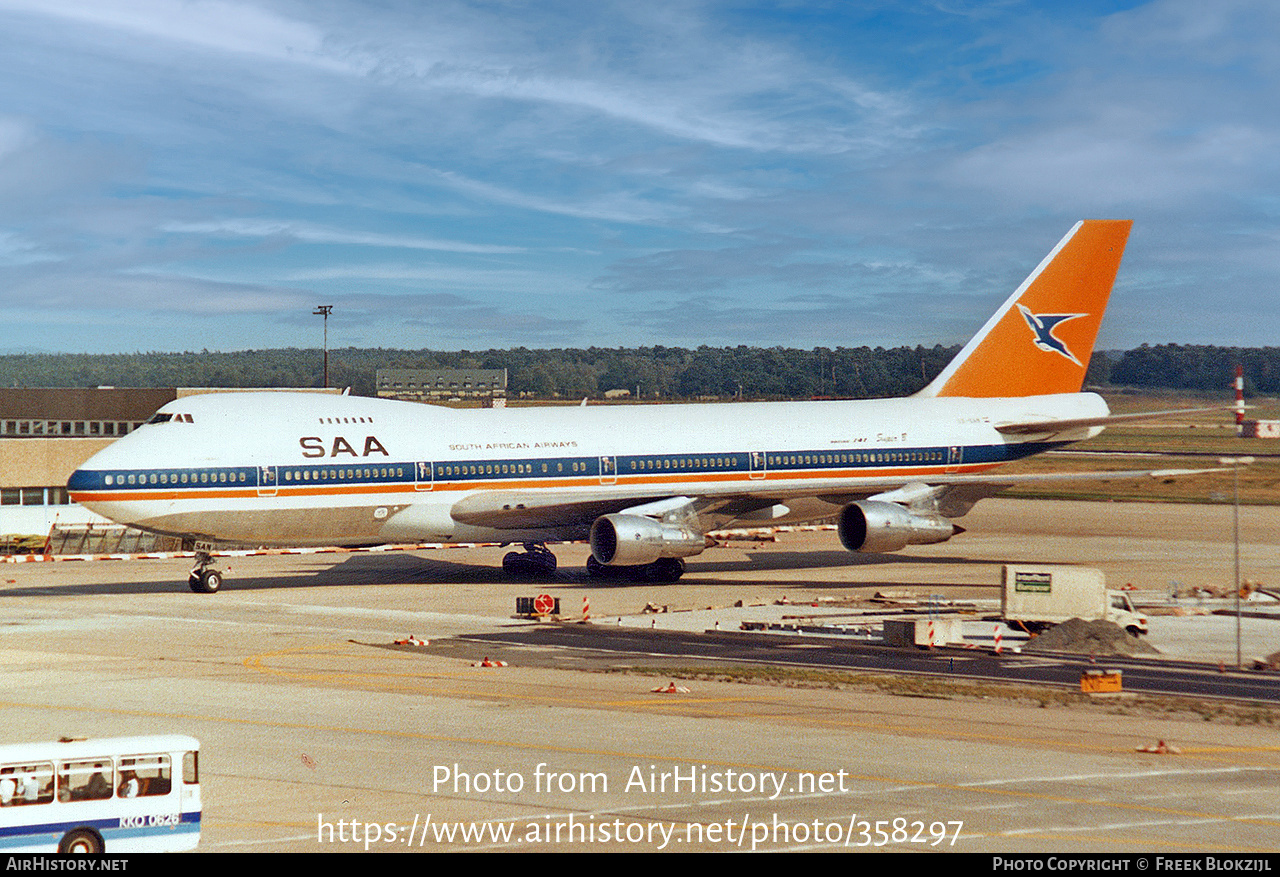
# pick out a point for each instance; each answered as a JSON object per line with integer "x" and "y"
{"x": 998, "y": 637}
{"x": 1239, "y": 400}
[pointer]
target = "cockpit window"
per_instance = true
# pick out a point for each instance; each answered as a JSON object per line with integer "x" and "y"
{"x": 160, "y": 417}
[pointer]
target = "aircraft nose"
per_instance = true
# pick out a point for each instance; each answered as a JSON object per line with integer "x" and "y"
{"x": 81, "y": 485}
{"x": 81, "y": 479}
{"x": 86, "y": 484}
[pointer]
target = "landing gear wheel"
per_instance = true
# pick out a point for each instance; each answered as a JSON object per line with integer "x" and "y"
{"x": 664, "y": 569}
{"x": 661, "y": 571}
{"x": 204, "y": 579}
{"x": 207, "y": 582}
{"x": 535, "y": 560}
{"x": 81, "y": 841}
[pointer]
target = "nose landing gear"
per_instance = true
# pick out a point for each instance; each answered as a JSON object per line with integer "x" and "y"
{"x": 204, "y": 579}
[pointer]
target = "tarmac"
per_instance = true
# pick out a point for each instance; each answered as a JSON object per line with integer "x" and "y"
{"x": 317, "y": 737}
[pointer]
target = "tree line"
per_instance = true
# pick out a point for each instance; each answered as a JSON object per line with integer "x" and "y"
{"x": 1198, "y": 367}
{"x": 651, "y": 372}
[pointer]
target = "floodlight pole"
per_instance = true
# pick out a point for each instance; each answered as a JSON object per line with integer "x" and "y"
{"x": 323, "y": 311}
{"x": 1235, "y": 463}
{"x": 1235, "y": 532}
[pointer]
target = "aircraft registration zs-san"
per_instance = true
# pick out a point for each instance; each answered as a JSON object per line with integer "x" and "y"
{"x": 643, "y": 483}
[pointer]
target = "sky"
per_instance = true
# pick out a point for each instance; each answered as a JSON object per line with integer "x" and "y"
{"x": 201, "y": 174}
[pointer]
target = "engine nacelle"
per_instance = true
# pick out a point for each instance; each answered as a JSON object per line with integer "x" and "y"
{"x": 874, "y": 526}
{"x": 632, "y": 540}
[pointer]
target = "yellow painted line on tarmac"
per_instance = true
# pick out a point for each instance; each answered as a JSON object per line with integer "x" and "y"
{"x": 668, "y": 759}
{"x": 487, "y": 674}
{"x": 657, "y": 701}
{"x": 387, "y": 732}
{"x": 1111, "y": 840}
{"x": 1212, "y": 750}
{"x": 258, "y": 663}
{"x": 660, "y": 699}
{"x": 1002, "y": 739}
{"x": 1121, "y": 805}
{"x": 1075, "y": 744}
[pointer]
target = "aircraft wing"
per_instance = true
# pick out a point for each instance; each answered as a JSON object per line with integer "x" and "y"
{"x": 950, "y": 495}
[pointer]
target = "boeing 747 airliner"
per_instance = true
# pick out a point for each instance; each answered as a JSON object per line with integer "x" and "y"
{"x": 643, "y": 483}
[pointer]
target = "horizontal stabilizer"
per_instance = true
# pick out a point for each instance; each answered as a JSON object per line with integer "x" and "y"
{"x": 1107, "y": 475}
{"x": 1041, "y": 427}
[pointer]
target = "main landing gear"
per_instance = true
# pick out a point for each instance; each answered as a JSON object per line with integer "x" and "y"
{"x": 535, "y": 560}
{"x": 664, "y": 570}
{"x": 204, "y": 579}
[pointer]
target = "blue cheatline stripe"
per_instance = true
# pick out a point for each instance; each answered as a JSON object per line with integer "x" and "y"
{"x": 51, "y": 833}
{"x": 519, "y": 469}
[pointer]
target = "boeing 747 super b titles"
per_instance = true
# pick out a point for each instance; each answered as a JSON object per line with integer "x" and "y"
{"x": 643, "y": 483}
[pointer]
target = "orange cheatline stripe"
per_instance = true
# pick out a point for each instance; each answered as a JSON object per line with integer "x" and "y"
{"x": 408, "y": 487}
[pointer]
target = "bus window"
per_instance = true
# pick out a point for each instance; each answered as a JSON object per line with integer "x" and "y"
{"x": 26, "y": 784}
{"x": 85, "y": 780}
{"x": 191, "y": 768}
{"x": 144, "y": 775}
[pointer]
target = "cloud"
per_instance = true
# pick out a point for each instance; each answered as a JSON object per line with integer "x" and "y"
{"x": 310, "y": 233}
{"x": 574, "y": 171}
{"x": 211, "y": 24}
{"x": 1162, "y": 106}
{"x": 167, "y": 296}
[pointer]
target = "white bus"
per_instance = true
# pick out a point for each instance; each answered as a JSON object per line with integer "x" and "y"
{"x": 113, "y": 795}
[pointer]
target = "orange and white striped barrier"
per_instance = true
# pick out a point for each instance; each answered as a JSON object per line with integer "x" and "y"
{"x": 999, "y": 639}
{"x": 487, "y": 662}
{"x": 670, "y": 688}
{"x": 412, "y": 640}
{"x": 248, "y": 552}
{"x": 1160, "y": 748}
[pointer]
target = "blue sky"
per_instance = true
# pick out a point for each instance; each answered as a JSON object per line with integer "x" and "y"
{"x": 190, "y": 174}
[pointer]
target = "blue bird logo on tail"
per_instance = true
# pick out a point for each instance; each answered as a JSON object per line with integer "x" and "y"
{"x": 1042, "y": 326}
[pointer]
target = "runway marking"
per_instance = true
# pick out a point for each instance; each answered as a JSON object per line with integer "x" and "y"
{"x": 257, "y": 843}
{"x": 255, "y": 662}
{"x": 1071, "y": 778}
{"x": 1024, "y": 661}
{"x": 672, "y": 702}
{"x": 888, "y": 783}
{"x": 1126, "y": 826}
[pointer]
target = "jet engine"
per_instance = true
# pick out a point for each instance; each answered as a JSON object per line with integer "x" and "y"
{"x": 874, "y": 526}
{"x": 632, "y": 540}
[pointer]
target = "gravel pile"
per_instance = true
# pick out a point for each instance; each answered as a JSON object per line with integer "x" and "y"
{"x": 1089, "y": 638}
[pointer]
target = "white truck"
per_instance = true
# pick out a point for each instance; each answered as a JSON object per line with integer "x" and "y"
{"x": 1038, "y": 596}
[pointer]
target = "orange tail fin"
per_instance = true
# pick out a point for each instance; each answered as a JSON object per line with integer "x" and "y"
{"x": 1041, "y": 339}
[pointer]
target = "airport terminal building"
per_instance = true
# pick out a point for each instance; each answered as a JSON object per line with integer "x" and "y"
{"x": 434, "y": 385}
{"x": 45, "y": 434}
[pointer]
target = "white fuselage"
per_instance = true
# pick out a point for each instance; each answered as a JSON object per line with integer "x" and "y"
{"x": 306, "y": 469}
